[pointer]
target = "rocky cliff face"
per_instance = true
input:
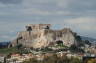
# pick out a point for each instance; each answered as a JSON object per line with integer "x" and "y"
{"x": 40, "y": 36}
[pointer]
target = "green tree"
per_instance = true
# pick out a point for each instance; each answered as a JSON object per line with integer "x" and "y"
{"x": 75, "y": 60}
{"x": 19, "y": 46}
{"x": 87, "y": 42}
{"x": 76, "y": 49}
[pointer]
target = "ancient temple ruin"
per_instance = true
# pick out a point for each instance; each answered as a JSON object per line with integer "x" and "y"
{"x": 41, "y": 35}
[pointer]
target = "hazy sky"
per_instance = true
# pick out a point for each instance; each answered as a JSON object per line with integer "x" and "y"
{"x": 79, "y": 15}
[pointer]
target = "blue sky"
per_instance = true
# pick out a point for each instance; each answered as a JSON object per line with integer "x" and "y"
{"x": 79, "y": 15}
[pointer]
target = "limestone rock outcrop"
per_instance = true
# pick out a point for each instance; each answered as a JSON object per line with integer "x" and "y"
{"x": 40, "y": 36}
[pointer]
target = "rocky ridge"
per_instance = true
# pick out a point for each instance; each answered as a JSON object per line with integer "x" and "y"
{"x": 40, "y": 36}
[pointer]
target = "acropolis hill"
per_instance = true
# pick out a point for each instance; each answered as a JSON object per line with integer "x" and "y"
{"x": 40, "y": 36}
